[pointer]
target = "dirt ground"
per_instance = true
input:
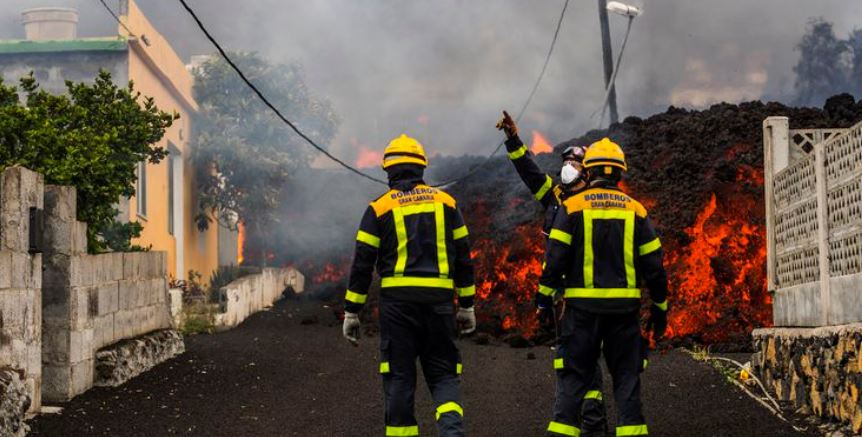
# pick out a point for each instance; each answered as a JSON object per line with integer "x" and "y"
{"x": 288, "y": 372}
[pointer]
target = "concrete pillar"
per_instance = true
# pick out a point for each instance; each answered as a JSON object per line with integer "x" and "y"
{"x": 776, "y": 150}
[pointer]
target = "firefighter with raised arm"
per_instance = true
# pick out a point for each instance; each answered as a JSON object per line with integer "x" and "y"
{"x": 603, "y": 248}
{"x": 552, "y": 195}
{"x": 416, "y": 238}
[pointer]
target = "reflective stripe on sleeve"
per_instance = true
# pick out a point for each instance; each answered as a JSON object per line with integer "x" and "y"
{"x": 459, "y": 233}
{"x": 402, "y": 431}
{"x": 544, "y": 189}
{"x": 631, "y": 430}
{"x": 594, "y": 394}
{"x": 650, "y": 247}
{"x": 368, "y": 239}
{"x": 354, "y": 297}
{"x": 547, "y": 291}
{"x": 466, "y": 291}
{"x": 518, "y": 153}
{"x": 561, "y": 236}
{"x": 563, "y": 429}
{"x": 449, "y": 407}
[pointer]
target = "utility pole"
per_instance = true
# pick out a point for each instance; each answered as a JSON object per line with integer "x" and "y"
{"x": 608, "y": 58}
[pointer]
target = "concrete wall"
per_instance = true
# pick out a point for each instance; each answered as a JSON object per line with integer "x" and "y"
{"x": 20, "y": 280}
{"x": 91, "y": 301}
{"x": 252, "y": 293}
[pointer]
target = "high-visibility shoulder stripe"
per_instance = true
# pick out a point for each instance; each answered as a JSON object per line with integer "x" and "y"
{"x": 563, "y": 429}
{"x": 402, "y": 431}
{"x": 547, "y": 291}
{"x": 632, "y": 430}
{"x": 418, "y": 195}
{"x": 369, "y": 239}
{"x": 662, "y": 305}
{"x": 594, "y": 394}
{"x": 418, "y": 208}
{"x": 449, "y": 407}
{"x": 603, "y": 198}
{"x": 352, "y": 296}
{"x": 544, "y": 188}
{"x": 650, "y": 247}
{"x": 415, "y": 281}
{"x": 518, "y": 153}
{"x": 561, "y": 236}
{"x": 466, "y": 291}
{"x": 603, "y": 293}
{"x": 460, "y": 233}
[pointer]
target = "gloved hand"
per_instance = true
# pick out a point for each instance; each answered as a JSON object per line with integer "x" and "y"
{"x": 466, "y": 319}
{"x": 351, "y": 328}
{"x": 657, "y": 322}
{"x": 543, "y": 302}
{"x": 508, "y": 126}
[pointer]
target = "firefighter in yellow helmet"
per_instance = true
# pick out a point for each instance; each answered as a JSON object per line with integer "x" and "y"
{"x": 603, "y": 248}
{"x": 416, "y": 238}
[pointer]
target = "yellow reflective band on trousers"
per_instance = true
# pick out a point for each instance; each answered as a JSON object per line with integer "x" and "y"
{"x": 628, "y": 218}
{"x": 466, "y": 291}
{"x": 631, "y": 430}
{"x": 650, "y": 247}
{"x": 459, "y": 233}
{"x": 518, "y": 153}
{"x": 384, "y": 367}
{"x": 547, "y": 291}
{"x": 561, "y": 236}
{"x": 558, "y": 363}
{"x": 594, "y": 394}
{"x": 402, "y": 431}
{"x": 459, "y": 368}
{"x": 603, "y": 293}
{"x": 416, "y": 281}
{"x": 563, "y": 429}
{"x": 401, "y": 235}
{"x": 442, "y": 257}
{"x": 355, "y": 297}
{"x": 449, "y": 407}
{"x": 544, "y": 189}
{"x": 368, "y": 239}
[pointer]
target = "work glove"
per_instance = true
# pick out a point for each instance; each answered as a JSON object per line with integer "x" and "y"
{"x": 466, "y": 319}
{"x": 351, "y": 328}
{"x": 543, "y": 302}
{"x": 508, "y": 126}
{"x": 657, "y": 322}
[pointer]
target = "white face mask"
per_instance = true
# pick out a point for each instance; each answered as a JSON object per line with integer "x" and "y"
{"x": 569, "y": 174}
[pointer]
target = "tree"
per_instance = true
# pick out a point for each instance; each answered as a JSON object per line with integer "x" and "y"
{"x": 244, "y": 156}
{"x": 821, "y": 70}
{"x": 91, "y": 138}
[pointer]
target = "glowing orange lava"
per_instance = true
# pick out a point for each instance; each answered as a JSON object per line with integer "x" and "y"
{"x": 240, "y": 243}
{"x": 540, "y": 144}
{"x": 366, "y": 158}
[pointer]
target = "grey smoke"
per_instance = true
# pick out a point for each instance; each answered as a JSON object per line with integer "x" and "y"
{"x": 387, "y": 63}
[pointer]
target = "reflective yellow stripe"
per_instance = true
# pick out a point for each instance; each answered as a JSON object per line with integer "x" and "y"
{"x": 563, "y": 429}
{"x": 418, "y": 208}
{"x": 541, "y": 193}
{"x": 459, "y": 368}
{"x": 650, "y": 247}
{"x": 466, "y": 291}
{"x": 355, "y": 297}
{"x": 518, "y": 153}
{"x": 594, "y": 394}
{"x": 603, "y": 293}
{"x": 646, "y": 363}
{"x": 631, "y": 430}
{"x": 368, "y": 239}
{"x": 662, "y": 306}
{"x": 588, "y": 249}
{"x": 558, "y": 363}
{"x": 449, "y": 407}
{"x": 402, "y": 431}
{"x": 547, "y": 291}
{"x": 413, "y": 281}
{"x": 561, "y": 236}
{"x": 401, "y": 234}
{"x": 629, "y": 249}
{"x": 384, "y": 367}
{"x": 442, "y": 256}
{"x": 628, "y": 242}
{"x": 459, "y": 233}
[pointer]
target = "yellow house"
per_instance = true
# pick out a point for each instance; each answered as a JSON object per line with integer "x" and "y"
{"x": 165, "y": 202}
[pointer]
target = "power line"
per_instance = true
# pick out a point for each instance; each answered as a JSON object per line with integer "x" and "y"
{"x": 113, "y": 14}
{"x": 331, "y": 156}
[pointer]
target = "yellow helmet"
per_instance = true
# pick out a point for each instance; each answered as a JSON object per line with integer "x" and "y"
{"x": 404, "y": 150}
{"x": 605, "y": 153}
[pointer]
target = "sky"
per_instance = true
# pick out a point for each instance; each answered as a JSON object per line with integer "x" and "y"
{"x": 442, "y": 70}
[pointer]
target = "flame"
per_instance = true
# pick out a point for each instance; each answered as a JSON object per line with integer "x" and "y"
{"x": 366, "y": 158}
{"x": 540, "y": 144}
{"x": 240, "y": 243}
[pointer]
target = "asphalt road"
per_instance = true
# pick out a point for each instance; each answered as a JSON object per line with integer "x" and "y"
{"x": 275, "y": 376}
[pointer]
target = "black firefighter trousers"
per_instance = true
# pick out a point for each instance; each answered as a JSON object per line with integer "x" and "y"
{"x": 585, "y": 336}
{"x": 409, "y": 331}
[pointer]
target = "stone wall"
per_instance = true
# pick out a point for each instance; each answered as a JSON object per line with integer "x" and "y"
{"x": 253, "y": 293}
{"x": 818, "y": 370}
{"x": 20, "y": 284}
{"x": 91, "y": 301}
{"x": 14, "y": 403}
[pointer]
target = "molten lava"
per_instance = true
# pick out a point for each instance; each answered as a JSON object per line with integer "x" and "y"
{"x": 540, "y": 144}
{"x": 240, "y": 243}
{"x": 366, "y": 158}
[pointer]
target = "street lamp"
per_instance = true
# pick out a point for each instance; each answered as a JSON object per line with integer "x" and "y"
{"x": 626, "y": 10}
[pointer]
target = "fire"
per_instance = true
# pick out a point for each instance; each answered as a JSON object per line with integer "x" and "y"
{"x": 367, "y": 158}
{"x": 540, "y": 144}
{"x": 331, "y": 273}
{"x": 240, "y": 243}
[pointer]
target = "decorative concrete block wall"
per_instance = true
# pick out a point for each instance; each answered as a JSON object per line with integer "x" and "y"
{"x": 252, "y": 293}
{"x": 91, "y": 301}
{"x": 20, "y": 284}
